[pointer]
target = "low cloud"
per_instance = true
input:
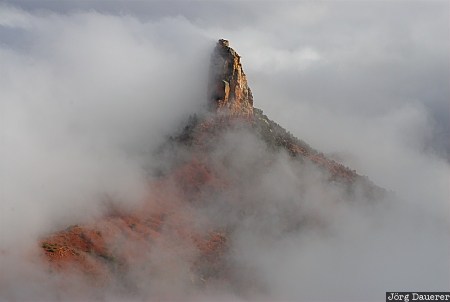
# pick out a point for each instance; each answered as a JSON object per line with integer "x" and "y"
{"x": 86, "y": 96}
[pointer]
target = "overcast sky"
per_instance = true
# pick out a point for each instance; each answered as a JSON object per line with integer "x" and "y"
{"x": 85, "y": 85}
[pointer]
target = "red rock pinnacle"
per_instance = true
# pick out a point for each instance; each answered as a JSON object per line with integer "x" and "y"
{"x": 228, "y": 91}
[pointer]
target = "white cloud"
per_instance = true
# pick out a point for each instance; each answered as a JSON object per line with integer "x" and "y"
{"x": 80, "y": 102}
{"x": 13, "y": 17}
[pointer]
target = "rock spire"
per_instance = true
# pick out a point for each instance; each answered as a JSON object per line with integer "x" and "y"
{"x": 228, "y": 91}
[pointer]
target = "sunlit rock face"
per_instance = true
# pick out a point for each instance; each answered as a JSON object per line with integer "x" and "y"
{"x": 228, "y": 91}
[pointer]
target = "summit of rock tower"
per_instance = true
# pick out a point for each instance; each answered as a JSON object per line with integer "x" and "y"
{"x": 228, "y": 90}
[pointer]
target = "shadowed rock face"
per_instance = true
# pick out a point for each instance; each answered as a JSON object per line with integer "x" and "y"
{"x": 228, "y": 91}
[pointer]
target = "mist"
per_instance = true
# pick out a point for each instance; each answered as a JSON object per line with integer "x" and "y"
{"x": 87, "y": 96}
{"x": 71, "y": 109}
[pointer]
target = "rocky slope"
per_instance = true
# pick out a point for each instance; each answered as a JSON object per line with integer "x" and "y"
{"x": 169, "y": 220}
